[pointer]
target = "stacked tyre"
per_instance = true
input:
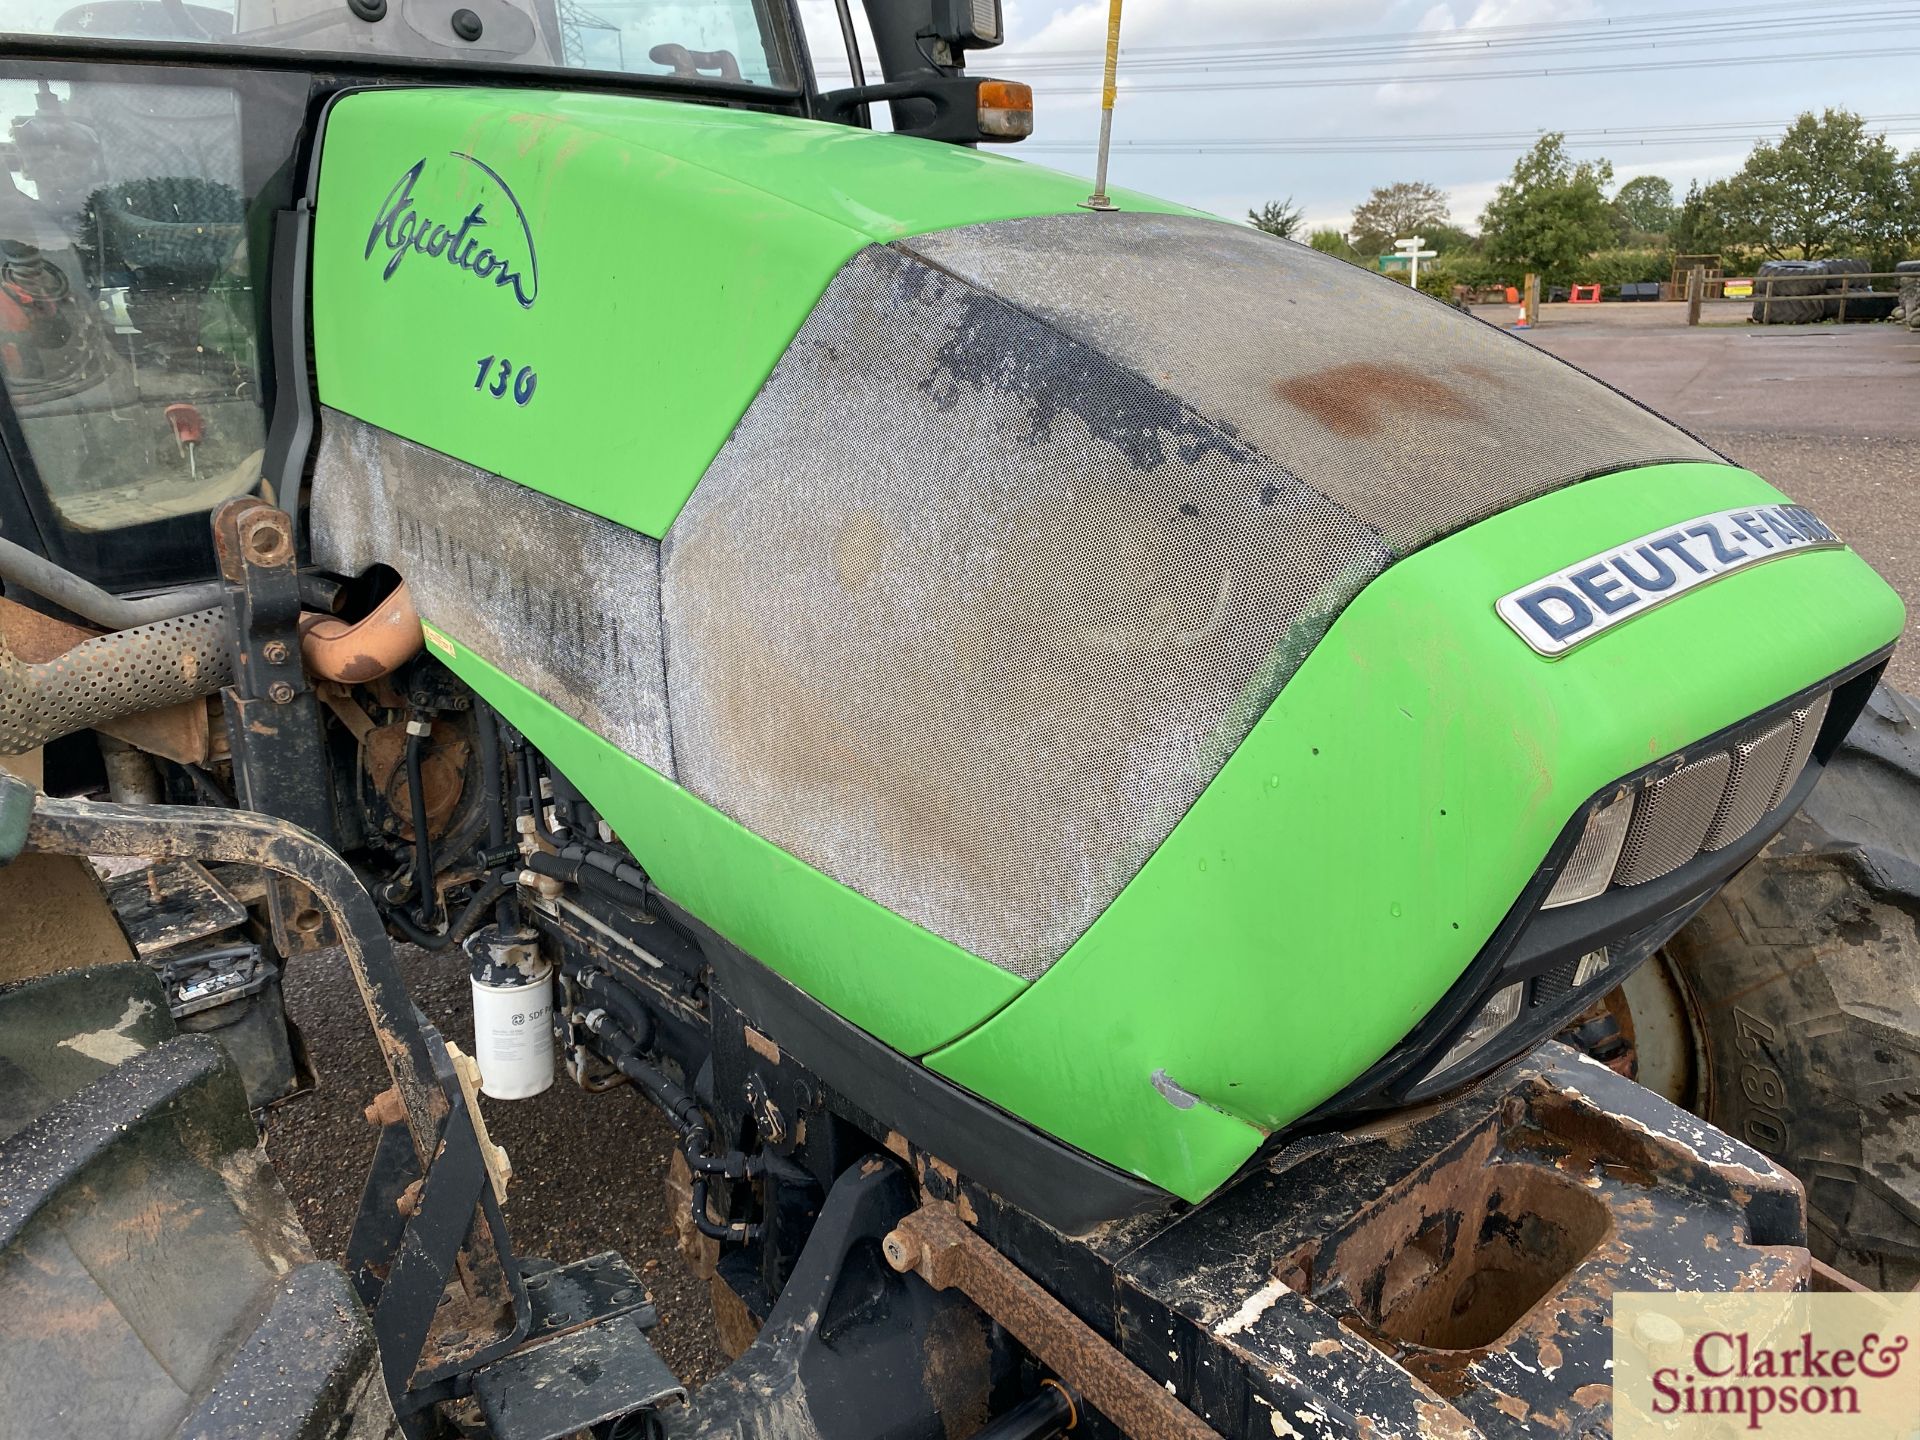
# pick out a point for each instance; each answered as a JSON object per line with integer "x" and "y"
{"x": 1909, "y": 273}
{"x": 1864, "y": 303}
{"x": 1798, "y": 292}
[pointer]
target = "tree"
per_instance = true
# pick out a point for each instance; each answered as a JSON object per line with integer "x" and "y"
{"x": 1448, "y": 238}
{"x": 1277, "y": 217}
{"x": 1550, "y": 214}
{"x": 1646, "y": 204}
{"x": 1396, "y": 211}
{"x": 1824, "y": 185}
{"x": 1331, "y": 242}
{"x": 1700, "y": 221}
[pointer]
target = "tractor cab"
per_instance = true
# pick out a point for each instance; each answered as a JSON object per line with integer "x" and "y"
{"x": 146, "y": 147}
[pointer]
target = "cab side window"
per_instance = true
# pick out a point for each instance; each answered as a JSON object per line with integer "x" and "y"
{"x": 133, "y": 211}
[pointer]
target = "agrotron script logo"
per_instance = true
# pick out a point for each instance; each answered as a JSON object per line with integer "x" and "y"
{"x": 501, "y": 253}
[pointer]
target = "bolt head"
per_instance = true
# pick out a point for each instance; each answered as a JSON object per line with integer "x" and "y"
{"x": 274, "y": 652}
{"x": 900, "y": 1251}
{"x": 280, "y": 693}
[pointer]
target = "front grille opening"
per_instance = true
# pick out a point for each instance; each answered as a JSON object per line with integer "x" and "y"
{"x": 1708, "y": 803}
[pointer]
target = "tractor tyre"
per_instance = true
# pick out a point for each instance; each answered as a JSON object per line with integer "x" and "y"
{"x": 1790, "y": 310}
{"x": 1801, "y": 986}
{"x": 1798, "y": 290}
{"x": 155, "y": 1281}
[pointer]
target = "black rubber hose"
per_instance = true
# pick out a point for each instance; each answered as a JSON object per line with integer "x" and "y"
{"x": 1041, "y": 1416}
{"x": 424, "y": 906}
{"x": 490, "y": 890}
{"x": 737, "y": 1230}
{"x": 492, "y": 786}
{"x": 633, "y": 1017}
{"x": 607, "y": 864}
{"x": 579, "y": 872}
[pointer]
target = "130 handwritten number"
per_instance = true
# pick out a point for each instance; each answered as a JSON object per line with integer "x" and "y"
{"x": 522, "y": 380}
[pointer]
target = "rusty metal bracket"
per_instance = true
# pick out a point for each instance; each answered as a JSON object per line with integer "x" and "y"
{"x": 937, "y": 1245}
{"x": 478, "y": 1309}
{"x": 273, "y": 719}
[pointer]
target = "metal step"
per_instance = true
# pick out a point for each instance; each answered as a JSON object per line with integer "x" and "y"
{"x": 586, "y": 1359}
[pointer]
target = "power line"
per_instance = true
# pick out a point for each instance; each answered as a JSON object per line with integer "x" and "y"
{"x": 1602, "y": 137}
{"x": 1482, "y": 43}
{"x": 1719, "y": 62}
{"x": 1672, "y": 37}
{"x": 1489, "y": 31}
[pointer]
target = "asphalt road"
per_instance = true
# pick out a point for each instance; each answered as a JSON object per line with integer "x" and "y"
{"x": 1830, "y": 414}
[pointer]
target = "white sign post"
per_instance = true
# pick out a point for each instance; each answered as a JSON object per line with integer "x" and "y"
{"x": 1410, "y": 248}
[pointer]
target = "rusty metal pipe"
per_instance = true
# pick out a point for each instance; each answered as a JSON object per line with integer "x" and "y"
{"x": 364, "y": 650}
{"x": 111, "y": 676}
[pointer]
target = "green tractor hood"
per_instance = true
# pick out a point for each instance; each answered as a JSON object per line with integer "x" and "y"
{"x": 1064, "y": 644}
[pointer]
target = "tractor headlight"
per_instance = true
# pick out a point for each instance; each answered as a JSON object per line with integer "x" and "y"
{"x": 1589, "y": 870}
{"x": 1500, "y": 1011}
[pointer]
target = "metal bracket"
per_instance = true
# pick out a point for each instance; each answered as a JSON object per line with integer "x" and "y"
{"x": 273, "y": 719}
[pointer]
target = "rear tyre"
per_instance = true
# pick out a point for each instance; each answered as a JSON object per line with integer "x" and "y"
{"x": 1802, "y": 984}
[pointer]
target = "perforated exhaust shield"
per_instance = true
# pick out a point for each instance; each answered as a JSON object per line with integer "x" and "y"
{"x": 110, "y": 676}
{"x": 1009, "y": 553}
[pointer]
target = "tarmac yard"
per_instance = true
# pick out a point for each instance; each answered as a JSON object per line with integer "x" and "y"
{"x": 1828, "y": 414}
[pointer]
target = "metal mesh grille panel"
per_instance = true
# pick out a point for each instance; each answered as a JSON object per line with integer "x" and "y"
{"x": 1759, "y": 765}
{"x": 565, "y": 602}
{"x": 1672, "y": 820}
{"x": 1416, "y": 418}
{"x": 967, "y": 617}
{"x": 1806, "y": 730}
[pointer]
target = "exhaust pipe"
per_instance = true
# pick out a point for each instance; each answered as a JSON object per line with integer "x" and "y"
{"x": 104, "y": 678}
{"x": 360, "y": 652}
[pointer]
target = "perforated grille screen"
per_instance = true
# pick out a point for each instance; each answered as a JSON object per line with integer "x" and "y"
{"x": 565, "y": 602}
{"x": 967, "y": 617}
{"x": 1416, "y": 418}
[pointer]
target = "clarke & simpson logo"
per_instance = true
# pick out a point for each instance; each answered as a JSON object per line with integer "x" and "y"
{"x": 492, "y": 245}
{"x": 1784, "y": 1366}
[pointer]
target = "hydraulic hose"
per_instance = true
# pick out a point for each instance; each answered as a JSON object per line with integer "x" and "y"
{"x": 490, "y": 891}
{"x": 588, "y": 877}
{"x": 626, "y": 874}
{"x": 486, "y": 729}
{"x": 418, "y": 729}
{"x": 625, "y": 1026}
{"x": 20, "y": 566}
{"x": 632, "y": 1016}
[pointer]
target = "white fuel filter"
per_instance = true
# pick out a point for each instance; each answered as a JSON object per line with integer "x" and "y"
{"x": 512, "y": 1013}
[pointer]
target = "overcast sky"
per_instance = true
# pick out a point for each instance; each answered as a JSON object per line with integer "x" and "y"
{"x": 1329, "y": 186}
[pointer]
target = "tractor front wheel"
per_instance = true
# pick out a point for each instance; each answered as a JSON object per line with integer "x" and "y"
{"x": 1797, "y": 1022}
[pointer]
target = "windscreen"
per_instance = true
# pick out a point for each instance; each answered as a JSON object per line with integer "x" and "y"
{"x": 737, "y": 41}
